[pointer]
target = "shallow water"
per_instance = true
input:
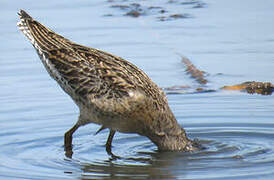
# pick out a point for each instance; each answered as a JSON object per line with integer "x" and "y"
{"x": 234, "y": 38}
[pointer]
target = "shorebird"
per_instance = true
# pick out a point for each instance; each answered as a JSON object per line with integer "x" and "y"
{"x": 108, "y": 90}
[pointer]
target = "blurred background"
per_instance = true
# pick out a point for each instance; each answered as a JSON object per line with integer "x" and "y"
{"x": 233, "y": 41}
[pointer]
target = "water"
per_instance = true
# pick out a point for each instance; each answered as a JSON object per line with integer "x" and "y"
{"x": 234, "y": 38}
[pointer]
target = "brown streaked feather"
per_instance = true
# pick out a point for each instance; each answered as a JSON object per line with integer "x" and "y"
{"x": 107, "y": 89}
{"x": 45, "y": 38}
{"x": 87, "y": 70}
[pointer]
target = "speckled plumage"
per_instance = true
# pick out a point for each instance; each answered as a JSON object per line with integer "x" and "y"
{"x": 108, "y": 90}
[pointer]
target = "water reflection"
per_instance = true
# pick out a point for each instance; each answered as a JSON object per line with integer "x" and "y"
{"x": 158, "y": 166}
{"x": 236, "y": 128}
{"x": 242, "y": 147}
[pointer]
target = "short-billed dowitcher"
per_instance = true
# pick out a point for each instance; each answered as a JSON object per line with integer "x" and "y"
{"x": 108, "y": 90}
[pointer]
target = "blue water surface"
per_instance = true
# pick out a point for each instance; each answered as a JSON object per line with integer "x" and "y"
{"x": 233, "y": 41}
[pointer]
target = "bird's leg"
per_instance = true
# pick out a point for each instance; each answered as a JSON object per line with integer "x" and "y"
{"x": 109, "y": 141}
{"x": 68, "y": 140}
{"x": 108, "y": 144}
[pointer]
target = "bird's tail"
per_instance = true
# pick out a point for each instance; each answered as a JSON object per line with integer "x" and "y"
{"x": 42, "y": 38}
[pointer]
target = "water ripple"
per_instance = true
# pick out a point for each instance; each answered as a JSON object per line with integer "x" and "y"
{"x": 241, "y": 148}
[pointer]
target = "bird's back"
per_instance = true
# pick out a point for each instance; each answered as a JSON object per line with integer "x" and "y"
{"x": 85, "y": 70}
{"x": 91, "y": 76}
{"x": 108, "y": 89}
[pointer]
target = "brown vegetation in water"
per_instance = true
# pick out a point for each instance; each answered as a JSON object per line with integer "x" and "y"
{"x": 251, "y": 87}
{"x": 161, "y": 13}
{"x": 195, "y": 73}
